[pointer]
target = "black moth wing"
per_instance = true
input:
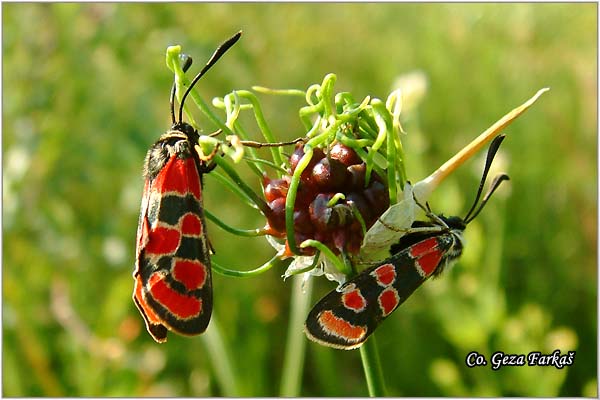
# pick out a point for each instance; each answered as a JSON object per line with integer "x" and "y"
{"x": 345, "y": 318}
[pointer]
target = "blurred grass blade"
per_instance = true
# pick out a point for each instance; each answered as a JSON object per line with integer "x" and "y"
{"x": 220, "y": 359}
{"x": 293, "y": 364}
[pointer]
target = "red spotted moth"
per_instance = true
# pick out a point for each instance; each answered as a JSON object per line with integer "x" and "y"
{"x": 346, "y": 317}
{"x": 173, "y": 287}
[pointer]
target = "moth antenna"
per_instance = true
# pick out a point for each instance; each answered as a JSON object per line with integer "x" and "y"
{"x": 494, "y": 146}
{"x": 498, "y": 179}
{"x": 222, "y": 49}
{"x": 186, "y": 65}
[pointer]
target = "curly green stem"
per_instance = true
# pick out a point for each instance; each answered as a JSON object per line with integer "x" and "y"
{"x": 394, "y": 106}
{"x": 231, "y": 229}
{"x": 268, "y": 163}
{"x": 291, "y": 198}
{"x": 257, "y": 200}
{"x": 276, "y": 261}
{"x": 232, "y": 186}
{"x": 262, "y": 124}
{"x": 380, "y": 120}
{"x": 285, "y": 92}
{"x": 339, "y": 265}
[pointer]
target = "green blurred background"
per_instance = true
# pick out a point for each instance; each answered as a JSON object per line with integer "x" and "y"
{"x": 86, "y": 92}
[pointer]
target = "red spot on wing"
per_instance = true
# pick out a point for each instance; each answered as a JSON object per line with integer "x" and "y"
{"x": 180, "y": 305}
{"x": 427, "y": 255}
{"x": 339, "y": 327}
{"x": 191, "y": 225}
{"x": 429, "y": 262}
{"x": 163, "y": 241}
{"x": 353, "y": 300}
{"x": 191, "y": 273}
{"x": 385, "y": 274}
{"x": 388, "y": 301}
{"x": 179, "y": 175}
{"x": 423, "y": 247}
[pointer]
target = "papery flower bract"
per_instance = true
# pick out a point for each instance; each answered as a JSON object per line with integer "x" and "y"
{"x": 389, "y": 227}
{"x": 326, "y": 267}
